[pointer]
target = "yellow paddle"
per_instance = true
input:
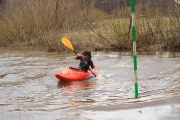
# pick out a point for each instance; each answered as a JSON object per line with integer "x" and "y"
{"x": 68, "y": 44}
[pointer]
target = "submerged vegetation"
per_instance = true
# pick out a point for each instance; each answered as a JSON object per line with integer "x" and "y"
{"x": 40, "y": 24}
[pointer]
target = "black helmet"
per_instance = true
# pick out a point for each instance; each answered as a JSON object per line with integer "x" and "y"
{"x": 87, "y": 53}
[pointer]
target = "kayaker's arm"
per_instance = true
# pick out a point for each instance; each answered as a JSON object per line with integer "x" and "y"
{"x": 91, "y": 64}
{"x": 77, "y": 57}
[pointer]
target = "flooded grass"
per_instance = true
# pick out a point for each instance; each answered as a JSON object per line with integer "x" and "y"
{"x": 41, "y": 25}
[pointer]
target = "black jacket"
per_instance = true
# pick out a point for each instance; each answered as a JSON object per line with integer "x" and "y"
{"x": 84, "y": 64}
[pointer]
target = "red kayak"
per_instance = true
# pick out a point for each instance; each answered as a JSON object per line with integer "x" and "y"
{"x": 69, "y": 74}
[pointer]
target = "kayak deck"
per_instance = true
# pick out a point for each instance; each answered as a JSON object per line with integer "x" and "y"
{"x": 69, "y": 74}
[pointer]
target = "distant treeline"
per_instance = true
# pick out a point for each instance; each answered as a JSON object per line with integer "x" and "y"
{"x": 110, "y": 5}
{"x": 2, "y": 7}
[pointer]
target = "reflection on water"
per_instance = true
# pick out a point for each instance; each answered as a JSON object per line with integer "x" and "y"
{"x": 75, "y": 85}
{"x": 29, "y": 89}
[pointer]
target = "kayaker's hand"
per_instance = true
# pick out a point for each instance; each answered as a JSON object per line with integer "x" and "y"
{"x": 76, "y": 57}
{"x": 91, "y": 69}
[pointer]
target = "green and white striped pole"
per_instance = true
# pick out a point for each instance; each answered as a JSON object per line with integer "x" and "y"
{"x": 134, "y": 47}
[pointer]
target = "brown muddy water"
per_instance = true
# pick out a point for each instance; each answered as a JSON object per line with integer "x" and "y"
{"x": 30, "y": 91}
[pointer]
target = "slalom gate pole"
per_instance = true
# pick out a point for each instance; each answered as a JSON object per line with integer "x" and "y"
{"x": 134, "y": 46}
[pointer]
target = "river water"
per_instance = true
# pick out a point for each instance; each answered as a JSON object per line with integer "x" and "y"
{"x": 30, "y": 91}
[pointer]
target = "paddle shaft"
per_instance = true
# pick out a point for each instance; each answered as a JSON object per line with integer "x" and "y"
{"x": 75, "y": 52}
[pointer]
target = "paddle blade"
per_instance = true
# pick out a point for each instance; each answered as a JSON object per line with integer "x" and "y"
{"x": 67, "y": 43}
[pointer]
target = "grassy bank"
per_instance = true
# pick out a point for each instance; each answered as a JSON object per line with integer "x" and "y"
{"x": 42, "y": 24}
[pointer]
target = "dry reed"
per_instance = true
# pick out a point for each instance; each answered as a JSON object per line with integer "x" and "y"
{"x": 42, "y": 23}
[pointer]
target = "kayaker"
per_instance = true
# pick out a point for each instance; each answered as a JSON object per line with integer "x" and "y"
{"x": 85, "y": 61}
